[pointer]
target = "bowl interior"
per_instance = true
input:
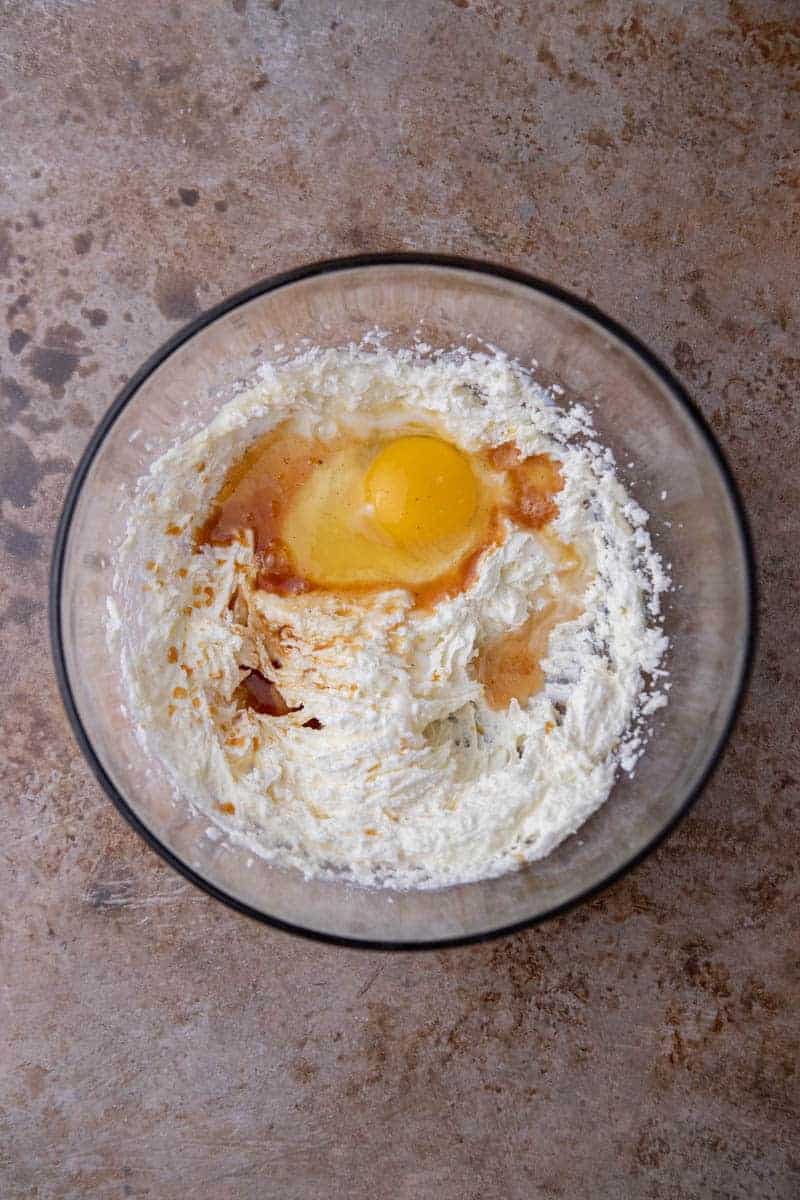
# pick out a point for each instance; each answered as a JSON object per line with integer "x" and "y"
{"x": 675, "y": 473}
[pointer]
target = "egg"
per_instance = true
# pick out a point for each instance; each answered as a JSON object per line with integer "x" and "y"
{"x": 368, "y": 513}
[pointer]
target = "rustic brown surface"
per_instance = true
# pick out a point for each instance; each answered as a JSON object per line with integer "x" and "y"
{"x": 158, "y": 156}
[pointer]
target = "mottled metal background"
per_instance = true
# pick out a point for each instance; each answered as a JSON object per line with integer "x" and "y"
{"x": 157, "y": 156}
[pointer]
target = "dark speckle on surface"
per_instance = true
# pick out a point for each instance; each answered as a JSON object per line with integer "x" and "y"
{"x": 80, "y": 415}
{"x": 82, "y": 243}
{"x": 13, "y": 398}
{"x": 19, "y": 305}
{"x": 18, "y": 340}
{"x": 21, "y": 610}
{"x": 21, "y": 473}
{"x": 53, "y": 366}
{"x": 19, "y": 542}
{"x": 97, "y": 317}
{"x": 6, "y": 249}
{"x": 159, "y": 157}
{"x": 176, "y": 295}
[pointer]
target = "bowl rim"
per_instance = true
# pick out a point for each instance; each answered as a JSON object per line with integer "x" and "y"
{"x": 329, "y": 266}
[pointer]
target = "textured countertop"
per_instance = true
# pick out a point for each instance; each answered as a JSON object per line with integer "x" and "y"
{"x": 156, "y": 157}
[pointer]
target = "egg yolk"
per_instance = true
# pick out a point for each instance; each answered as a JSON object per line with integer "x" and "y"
{"x": 421, "y": 490}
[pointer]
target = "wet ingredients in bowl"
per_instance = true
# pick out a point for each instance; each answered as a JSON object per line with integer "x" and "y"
{"x": 391, "y": 617}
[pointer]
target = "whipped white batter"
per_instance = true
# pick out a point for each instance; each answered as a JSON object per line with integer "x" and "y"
{"x": 412, "y": 780}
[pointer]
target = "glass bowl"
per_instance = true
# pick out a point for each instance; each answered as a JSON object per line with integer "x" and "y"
{"x": 640, "y": 410}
